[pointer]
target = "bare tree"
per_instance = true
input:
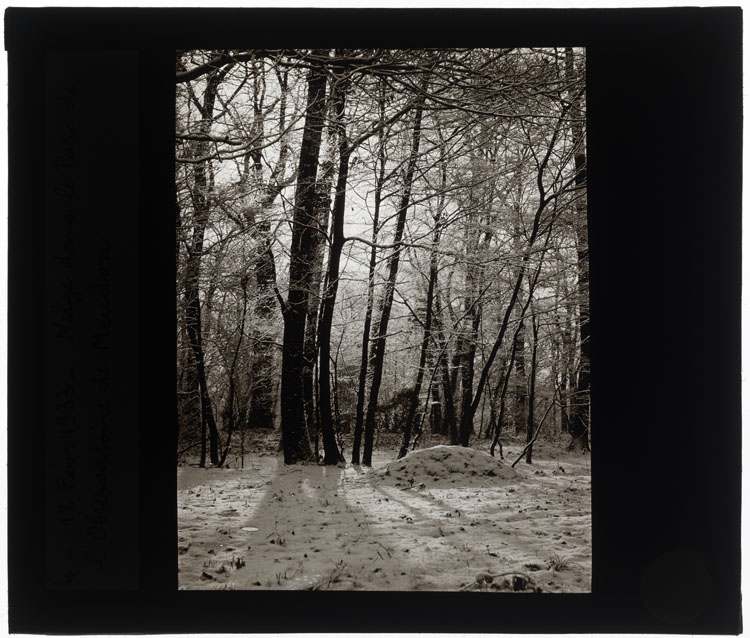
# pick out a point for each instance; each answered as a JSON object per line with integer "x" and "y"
{"x": 294, "y": 434}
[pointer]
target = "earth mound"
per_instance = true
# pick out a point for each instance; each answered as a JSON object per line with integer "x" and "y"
{"x": 444, "y": 466}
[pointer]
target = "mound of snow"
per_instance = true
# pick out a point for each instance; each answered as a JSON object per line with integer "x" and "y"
{"x": 445, "y": 466}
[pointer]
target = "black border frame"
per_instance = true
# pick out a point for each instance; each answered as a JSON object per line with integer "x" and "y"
{"x": 664, "y": 149}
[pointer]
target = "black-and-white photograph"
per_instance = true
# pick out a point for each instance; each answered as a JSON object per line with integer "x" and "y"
{"x": 383, "y": 320}
{"x": 353, "y": 317}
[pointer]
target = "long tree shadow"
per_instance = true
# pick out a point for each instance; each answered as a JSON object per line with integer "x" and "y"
{"x": 394, "y": 494}
{"x": 304, "y": 532}
{"x": 317, "y": 527}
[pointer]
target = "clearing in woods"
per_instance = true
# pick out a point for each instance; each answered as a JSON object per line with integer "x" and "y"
{"x": 443, "y": 518}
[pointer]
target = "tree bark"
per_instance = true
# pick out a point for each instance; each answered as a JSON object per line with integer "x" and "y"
{"x": 332, "y": 455}
{"x": 294, "y": 433}
{"x": 309, "y": 387}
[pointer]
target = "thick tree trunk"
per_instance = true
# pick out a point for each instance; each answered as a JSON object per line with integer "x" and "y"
{"x": 310, "y": 371}
{"x": 332, "y": 455}
{"x": 294, "y": 433}
{"x": 378, "y": 352}
{"x": 309, "y": 387}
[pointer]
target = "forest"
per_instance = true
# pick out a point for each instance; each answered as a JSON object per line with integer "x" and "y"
{"x": 382, "y": 319}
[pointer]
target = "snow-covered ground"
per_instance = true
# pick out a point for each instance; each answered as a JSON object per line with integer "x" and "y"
{"x": 442, "y": 518}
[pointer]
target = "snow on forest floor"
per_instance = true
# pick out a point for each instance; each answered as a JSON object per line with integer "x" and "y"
{"x": 442, "y": 518}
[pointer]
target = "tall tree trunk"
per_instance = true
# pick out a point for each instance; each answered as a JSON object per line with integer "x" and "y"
{"x": 323, "y": 205}
{"x": 362, "y": 386}
{"x": 201, "y": 209}
{"x": 332, "y": 455}
{"x": 378, "y": 353}
{"x": 579, "y": 425}
{"x": 310, "y": 371}
{"x": 294, "y": 433}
